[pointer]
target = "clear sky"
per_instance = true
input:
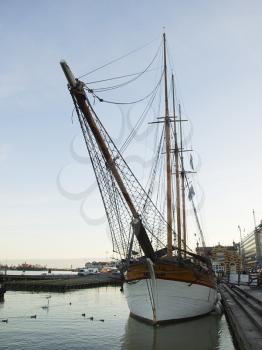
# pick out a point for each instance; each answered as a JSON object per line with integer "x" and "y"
{"x": 217, "y": 51}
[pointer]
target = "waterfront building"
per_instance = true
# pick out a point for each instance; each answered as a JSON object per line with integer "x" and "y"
{"x": 95, "y": 264}
{"x": 251, "y": 249}
{"x": 225, "y": 259}
{"x": 103, "y": 266}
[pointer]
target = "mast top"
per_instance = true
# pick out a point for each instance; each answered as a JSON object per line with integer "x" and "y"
{"x": 68, "y": 73}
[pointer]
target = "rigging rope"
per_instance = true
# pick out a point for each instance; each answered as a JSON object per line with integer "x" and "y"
{"x": 118, "y": 77}
{"x": 152, "y": 176}
{"x": 108, "y": 187}
{"x": 117, "y": 59}
{"x": 140, "y": 120}
{"x": 133, "y": 79}
{"x": 138, "y": 192}
{"x": 91, "y": 91}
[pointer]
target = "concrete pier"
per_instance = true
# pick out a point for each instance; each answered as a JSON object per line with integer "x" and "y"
{"x": 243, "y": 309}
{"x": 59, "y": 283}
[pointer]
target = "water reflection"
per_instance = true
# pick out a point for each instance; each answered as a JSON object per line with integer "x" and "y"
{"x": 198, "y": 334}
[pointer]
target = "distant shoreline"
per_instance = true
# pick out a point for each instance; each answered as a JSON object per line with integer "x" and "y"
{"x": 63, "y": 264}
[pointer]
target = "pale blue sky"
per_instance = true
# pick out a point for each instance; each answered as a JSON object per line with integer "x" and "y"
{"x": 217, "y": 52}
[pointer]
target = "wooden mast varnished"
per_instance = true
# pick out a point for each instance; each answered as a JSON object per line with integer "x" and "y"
{"x": 183, "y": 184}
{"x": 78, "y": 92}
{"x": 178, "y": 197}
{"x": 168, "y": 166}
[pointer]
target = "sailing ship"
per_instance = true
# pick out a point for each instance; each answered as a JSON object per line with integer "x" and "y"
{"x": 162, "y": 281}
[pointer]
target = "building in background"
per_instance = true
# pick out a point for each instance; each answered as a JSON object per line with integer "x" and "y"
{"x": 251, "y": 249}
{"x": 225, "y": 259}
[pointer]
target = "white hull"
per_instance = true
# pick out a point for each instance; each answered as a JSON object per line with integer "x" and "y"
{"x": 166, "y": 300}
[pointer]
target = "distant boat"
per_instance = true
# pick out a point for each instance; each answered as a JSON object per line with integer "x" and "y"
{"x": 162, "y": 282}
{"x": 88, "y": 271}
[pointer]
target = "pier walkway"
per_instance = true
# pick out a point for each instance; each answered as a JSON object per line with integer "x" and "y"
{"x": 243, "y": 308}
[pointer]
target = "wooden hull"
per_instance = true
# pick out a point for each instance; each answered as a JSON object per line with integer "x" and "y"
{"x": 168, "y": 293}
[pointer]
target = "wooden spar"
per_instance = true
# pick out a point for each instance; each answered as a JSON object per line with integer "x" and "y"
{"x": 176, "y": 150}
{"x": 77, "y": 90}
{"x": 168, "y": 167}
{"x": 183, "y": 184}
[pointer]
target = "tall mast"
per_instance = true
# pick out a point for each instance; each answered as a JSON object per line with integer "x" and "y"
{"x": 168, "y": 167}
{"x": 183, "y": 183}
{"x": 77, "y": 90}
{"x": 178, "y": 197}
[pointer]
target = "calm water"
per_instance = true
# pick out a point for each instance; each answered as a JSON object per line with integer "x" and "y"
{"x": 62, "y": 326}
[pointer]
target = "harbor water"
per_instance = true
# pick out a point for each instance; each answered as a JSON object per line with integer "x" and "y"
{"x": 98, "y": 319}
